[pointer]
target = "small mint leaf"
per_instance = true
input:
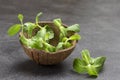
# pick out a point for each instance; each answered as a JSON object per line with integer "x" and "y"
{"x": 37, "y": 17}
{"x": 29, "y": 27}
{"x": 59, "y": 46}
{"x": 92, "y": 70}
{"x": 75, "y": 28}
{"x": 23, "y": 40}
{"x": 57, "y": 22}
{"x": 20, "y": 17}
{"x": 86, "y": 56}
{"x": 75, "y": 37}
{"x": 14, "y": 29}
{"x": 99, "y": 62}
{"x": 79, "y": 66}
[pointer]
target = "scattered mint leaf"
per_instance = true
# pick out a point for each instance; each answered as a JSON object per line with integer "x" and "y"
{"x": 86, "y": 56}
{"x": 79, "y": 65}
{"x": 87, "y": 64}
{"x": 99, "y": 62}
{"x": 92, "y": 70}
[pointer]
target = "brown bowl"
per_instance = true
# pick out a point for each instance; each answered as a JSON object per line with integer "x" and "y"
{"x": 49, "y": 58}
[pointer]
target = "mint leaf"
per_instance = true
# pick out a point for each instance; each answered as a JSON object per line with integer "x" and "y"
{"x": 92, "y": 70}
{"x": 57, "y": 22}
{"x": 64, "y": 39}
{"x": 59, "y": 46}
{"x": 88, "y": 64}
{"x": 36, "y": 43}
{"x": 14, "y": 29}
{"x": 20, "y": 17}
{"x": 49, "y": 34}
{"x": 86, "y": 56}
{"x": 75, "y": 28}
{"x": 49, "y": 47}
{"x": 29, "y": 28}
{"x": 63, "y": 30}
{"x": 79, "y": 66}
{"x": 99, "y": 62}
{"x": 41, "y": 33}
{"x": 24, "y": 40}
{"x": 37, "y": 17}
{"x": 75, "y": 37}
{"x": 67, "y": 44}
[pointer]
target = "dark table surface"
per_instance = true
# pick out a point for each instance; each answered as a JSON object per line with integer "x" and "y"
{"x": 100, "y": 31}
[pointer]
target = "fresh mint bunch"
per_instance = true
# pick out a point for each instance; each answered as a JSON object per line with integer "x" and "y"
{"x": 87, "y": 64}
{"x": 40, "y": 40}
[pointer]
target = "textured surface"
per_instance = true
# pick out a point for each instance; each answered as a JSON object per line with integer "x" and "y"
{"x": 100, "y": 30}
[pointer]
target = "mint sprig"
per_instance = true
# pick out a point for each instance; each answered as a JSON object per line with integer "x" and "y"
{"x": 87, "y": 64}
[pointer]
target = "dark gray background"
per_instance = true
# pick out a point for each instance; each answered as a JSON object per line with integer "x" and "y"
{"x": 100, "y": 31}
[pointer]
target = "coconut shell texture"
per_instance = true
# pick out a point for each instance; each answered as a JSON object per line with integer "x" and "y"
{"x": 49, "y": 58}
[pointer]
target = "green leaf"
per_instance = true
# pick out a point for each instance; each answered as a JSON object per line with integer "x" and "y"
{"x": 86, "y": 56}
{"x": 75, "y": 37}
{"x": 37, "y": 17}
{"x": 24, "y": 40}
{"x": 63, "y": 30}
{"x": 59, "y": 46}
{"x": 99, "y": 62}
{"x": 49, "y": 47}
{"x": 29, "y": 27}
{"x": 91, "y": 65}
{"x": 41, "y": 33}
{"x": 36, "y": 43}
{"x": 67, "y": 44}
{"x": 79, "y": 66}
{"x": 49, "y": 33}
{"x": 92, "y": 70}
{"x": 75, "y": 28}
{"x": 20, "y": 17}
{"x": 57, "y": 22}
{"x": 14, "y": 29}
{"x": 64, "y": 39}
